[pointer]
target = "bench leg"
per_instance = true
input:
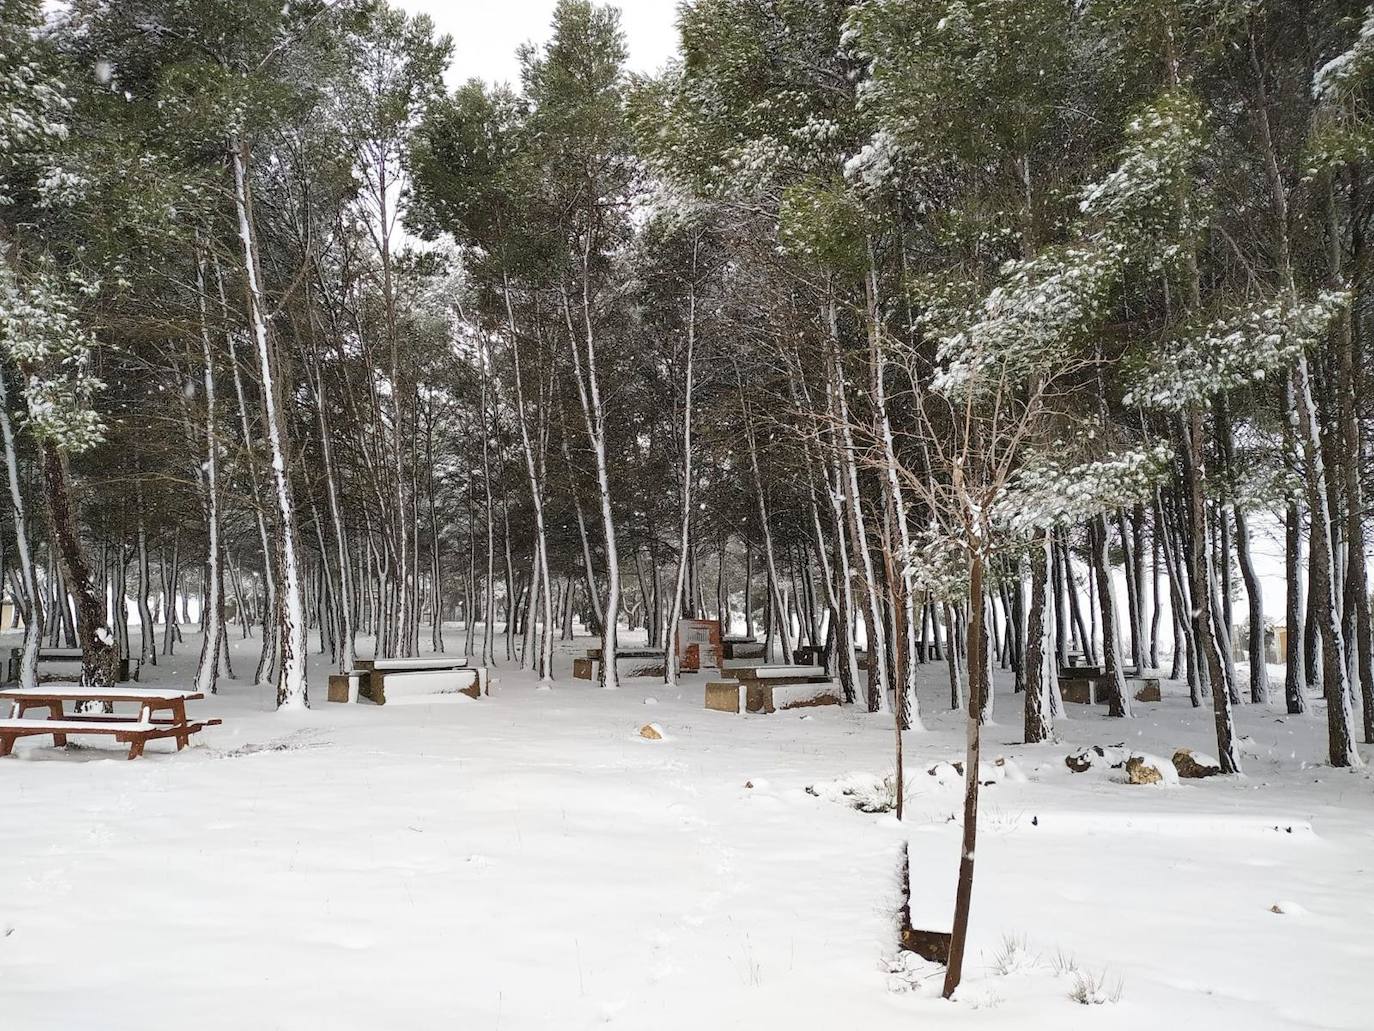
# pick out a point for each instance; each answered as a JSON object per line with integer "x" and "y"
{"x": 6, "y": 745}
{"x": 135, "y": 748}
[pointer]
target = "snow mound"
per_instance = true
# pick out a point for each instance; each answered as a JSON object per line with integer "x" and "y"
{"x": 908, "y": 972}
{"x": 867, "y": 792}
{"x": 447, "y": 698}
{"x": 792, "y": 696}
{"x": 994, "y": 772}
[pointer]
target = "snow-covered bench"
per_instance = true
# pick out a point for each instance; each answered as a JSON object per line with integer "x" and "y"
{"x": 411, "y": 678}
{"x": 783, "y": 674}
{"x": 126, "y": 731}
{"x": 1086, "y": 690}
{"x": 585, "y": 669}
{"x": 46, "y": 655}
{"x": 1097, "y": 690}
{"x": 415, "y": 675}
{"x": 741, "y": 648}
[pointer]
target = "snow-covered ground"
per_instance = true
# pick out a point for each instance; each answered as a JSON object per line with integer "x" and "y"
{"x": 529, "y": 861}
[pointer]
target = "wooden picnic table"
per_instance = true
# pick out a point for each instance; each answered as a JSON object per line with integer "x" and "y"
{"x": 135, "y": 733}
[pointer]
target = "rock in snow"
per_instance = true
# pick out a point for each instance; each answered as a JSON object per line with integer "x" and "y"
{"x": 1141, "y": 771}
{"x": 1143, "y": 768}
{"x": 1195, "y": 765}
{"x": 652, "y": 731}
{"x": 1095, "y": 755}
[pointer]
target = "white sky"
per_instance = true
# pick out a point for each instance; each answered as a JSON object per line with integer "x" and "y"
{"x": 486, "y": 32}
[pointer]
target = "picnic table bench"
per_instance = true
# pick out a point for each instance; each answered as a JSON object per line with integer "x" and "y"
{"x": 46, "y": 655}
{"x": 135, "y": 732}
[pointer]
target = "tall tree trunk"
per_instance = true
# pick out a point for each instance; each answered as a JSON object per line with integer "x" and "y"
{"x": 31, "y": 595}
{"x": 212, "y": 616}
{"x": 770, "y": 560}
{"x": 978, "y": 673}
{"x": 1119, "y": 703}
{"x": 1200, "y": 585}
{"x": 98, "y": 656}
{"x": 904, "y": 673}
{"x": 147, "y": 651}
{"x": 670, "y": 657}
{"x": 1254, "y": 593}
{"x": 1322, "y": 602}
{"x": 878, "y": 681}
{"x": 291, "y": 687}
{"x": 1294, "y": 677}
{"x": 1039, "y": 658}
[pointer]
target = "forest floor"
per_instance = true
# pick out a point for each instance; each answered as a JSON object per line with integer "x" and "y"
{"x": 528, "y": 861}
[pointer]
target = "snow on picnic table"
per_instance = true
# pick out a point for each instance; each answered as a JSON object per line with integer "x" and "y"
{"x": 529, "y": 861}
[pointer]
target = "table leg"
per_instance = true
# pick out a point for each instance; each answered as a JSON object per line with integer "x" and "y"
{"x": 135, "y": 747}
{"x": 55, "y": 713}
{"x": 6, "y": 745}
{"x": 179, "y": 714}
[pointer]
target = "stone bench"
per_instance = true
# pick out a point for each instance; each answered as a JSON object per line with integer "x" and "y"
{"x": 429, "y": 682}
{"x": 424, "y": 675}
{"x": 765, "y": 696}
{"x": 586, "y": 668}
{"x": 782, "y": 674}
{"x": 1086, "y": 690}
{"x": 1097, "y": 690}
{"x": 742, "y": 649}
{"x": 1145, "y": 689}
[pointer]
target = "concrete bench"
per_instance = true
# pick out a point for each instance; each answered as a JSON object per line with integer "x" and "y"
{"x": 346, "y": 687}
{"x": 741, "y": 648}
{"x": 1085, "y": 689}
{"x": 371, "y": 672}
{"x": 586, "y": 668}
{"x": 724, "y": 696}
{"x": 1097, "y": 690}
{"x": 411, "y": 683}
{"x": 777, "y": 675}
{"x": 1080, "y": 672}
{"x": 768, "y": 696}
{"x": 1144, "y": 689}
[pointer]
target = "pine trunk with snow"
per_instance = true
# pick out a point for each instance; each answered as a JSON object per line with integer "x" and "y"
{"x": 30, "y": 600}
{"x": 291, "y": 683}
